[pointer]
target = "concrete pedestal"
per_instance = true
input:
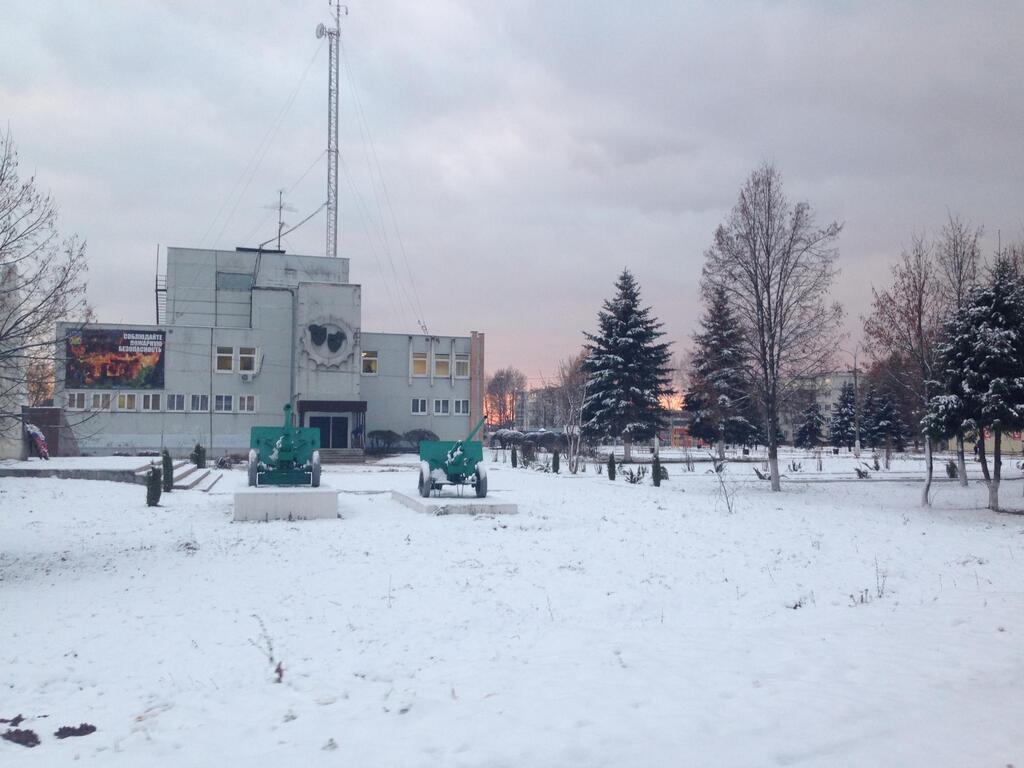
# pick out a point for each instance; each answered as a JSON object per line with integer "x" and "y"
{"x": 266, "y": 504}
{"x": 456, "y": 505}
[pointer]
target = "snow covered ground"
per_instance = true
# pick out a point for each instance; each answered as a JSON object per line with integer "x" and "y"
{"x": 606, "y": 624}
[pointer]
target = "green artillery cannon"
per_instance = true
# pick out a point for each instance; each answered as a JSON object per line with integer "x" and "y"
{"x": 453, "y": 462}
{"x": 284, "y": 455}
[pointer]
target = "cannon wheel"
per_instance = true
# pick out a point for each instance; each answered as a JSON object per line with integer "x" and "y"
{"x": 254, "y": 465}
{"x": 426, "y": 484}
{"x": 481, "y": 481}
{"x": 316, "y": 469}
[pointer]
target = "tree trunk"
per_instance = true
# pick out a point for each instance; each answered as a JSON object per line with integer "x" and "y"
{"x": 961, "y": 463}
{"x": 929, "y": 465}
{"x": 627, "y": 452}
{"x": 997, "y": 466}
{"x": 981, "y": 454}
{"x": 888, "y": 453}
{"x": 721, "y": 447}
{"x": 773, "y": 465}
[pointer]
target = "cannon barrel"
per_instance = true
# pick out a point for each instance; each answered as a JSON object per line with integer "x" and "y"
{"x": 475, "y": 429}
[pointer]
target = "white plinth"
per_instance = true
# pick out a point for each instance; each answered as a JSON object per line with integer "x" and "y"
{"x": 456, "y": 505}
{"x": 269, "y": 503}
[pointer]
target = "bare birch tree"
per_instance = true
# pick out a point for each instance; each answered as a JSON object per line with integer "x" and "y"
{"x": 572, "y": 389}
{"x": 42, "y": 280}
{"x": 776, "y": 267}
{"x": 905, "y": 324}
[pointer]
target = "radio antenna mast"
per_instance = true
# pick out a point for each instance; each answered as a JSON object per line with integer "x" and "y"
{"x": 281, "y": 206}
{"x": 332, "y": 36}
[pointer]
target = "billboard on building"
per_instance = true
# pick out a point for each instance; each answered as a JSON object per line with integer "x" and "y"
{"x": 104, "y": 358}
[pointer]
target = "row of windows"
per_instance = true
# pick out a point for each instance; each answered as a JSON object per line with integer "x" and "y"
{"x": 156, "y": 401}
{"x": 442, "y": 407}
{"x": 442, "y": 364}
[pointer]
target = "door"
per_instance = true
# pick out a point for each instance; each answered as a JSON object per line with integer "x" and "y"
{"x": 333, "y": 430}
{"x": 323, "y": 423}
{"x": 339, "y": 432}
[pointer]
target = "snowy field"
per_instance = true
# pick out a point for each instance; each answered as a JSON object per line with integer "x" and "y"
{"x": 837, "y": 623}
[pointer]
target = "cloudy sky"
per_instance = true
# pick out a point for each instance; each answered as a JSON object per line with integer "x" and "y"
{"x": 502, "y": 162}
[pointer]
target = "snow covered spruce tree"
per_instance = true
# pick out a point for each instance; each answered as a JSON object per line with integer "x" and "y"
{"x": 842, "y": 427}
{"x": 869, "y": 428}
{"x": 628, "y": 370}
{"x": 717, "y": 393}
{"x": 982, "y": 367}
{"x": 958, "y": 253}
{"x": 808, "y": 431}
{"x": 776, "y": 268}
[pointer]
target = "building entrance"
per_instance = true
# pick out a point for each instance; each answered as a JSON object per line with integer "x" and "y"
{"x": 341, "y": 422}
{"x": 333, "y": 430}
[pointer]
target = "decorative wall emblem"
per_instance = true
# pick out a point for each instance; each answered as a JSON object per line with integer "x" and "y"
{"x": 328, "y": 341}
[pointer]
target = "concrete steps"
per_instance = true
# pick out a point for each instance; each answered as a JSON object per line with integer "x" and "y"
{"x": 342, "y": 456}
{"x": 213, "y": 478}
{"x": 190, "y": 478}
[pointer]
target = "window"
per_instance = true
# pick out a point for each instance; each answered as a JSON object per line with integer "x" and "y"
{"x": 462, "y": 366}
{"x": 223, "y": 403}
{"x": 151, "y": 402}
{"x": 369, "y": 363}
{"x": 419, "y": 406}
{"x": 126, "y": 401}
{"x": 442, "y": 365}
{"x": 199, "y": 403}
{"x": 419, "y": 363}
{"x": 175, "y": 402}
{"x": 247, "y": 403}
{"x": 441, "y": 407}
{"x": 76, "y": 401}
{"x": 462, "y": 407}
{"x": 225, "y": 359}
{"x": 101, "y": 401}
{"x": 247, "y": 358}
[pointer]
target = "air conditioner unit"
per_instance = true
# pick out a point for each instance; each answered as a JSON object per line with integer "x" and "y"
{"x": 248, "y": 376}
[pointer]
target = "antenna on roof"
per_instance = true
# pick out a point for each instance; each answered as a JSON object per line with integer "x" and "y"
{"x": 332, "y": 36}
{"x": 280, "y": 207}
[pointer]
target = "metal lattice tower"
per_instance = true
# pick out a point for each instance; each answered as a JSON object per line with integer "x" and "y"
{"x": 332, "y": 128}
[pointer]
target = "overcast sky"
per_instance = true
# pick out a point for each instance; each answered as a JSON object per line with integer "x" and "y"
{"x": 528, "y": 150}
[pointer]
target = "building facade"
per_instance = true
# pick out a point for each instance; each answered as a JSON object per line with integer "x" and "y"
{"x": 240, "y": 334}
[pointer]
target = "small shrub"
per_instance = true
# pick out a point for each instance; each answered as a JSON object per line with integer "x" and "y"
{"x": 168, "y": 471}
{"x": 416, "y": 436}
{"x": 153, "y": 483}
{"x": 874, "y": 462}
{"x": 951, "y": 470}
{"x": 555, "y": 458}
{"x": 529, "y": 451}
{"x": 795, "y": 466}
{"x": 198, "y": 456}
{"x": 611, "y": 466}
{"x": 656, "y": 472}
{"x": 862, "y": 474}
{"x": 635, "y": 476}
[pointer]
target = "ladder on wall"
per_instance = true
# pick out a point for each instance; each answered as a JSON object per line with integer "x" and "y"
{"x": 161, "y": 299}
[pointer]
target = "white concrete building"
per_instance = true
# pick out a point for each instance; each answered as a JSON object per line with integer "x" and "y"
{"x": 240, "y": 334}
